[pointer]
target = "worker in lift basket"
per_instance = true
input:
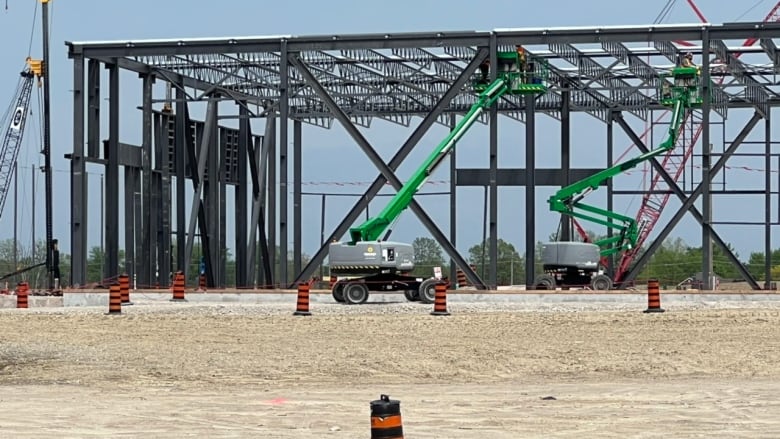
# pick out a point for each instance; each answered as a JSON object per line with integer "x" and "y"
{"x": 687, "y": 60}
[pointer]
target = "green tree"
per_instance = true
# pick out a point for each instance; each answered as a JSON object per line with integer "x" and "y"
{"x": 510, "y": 266}
{"x": 755, "y": 264}
{"x": 675, "y": 261}
{"x": 96, "y": 264}
{"x": 427, "y": 254}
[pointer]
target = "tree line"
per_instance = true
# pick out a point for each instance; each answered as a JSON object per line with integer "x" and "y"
{"x": 674, "y": 262}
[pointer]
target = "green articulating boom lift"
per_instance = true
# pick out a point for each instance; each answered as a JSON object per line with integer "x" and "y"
{"x": 371, "y": 263}
{"x": 577, "y": 264}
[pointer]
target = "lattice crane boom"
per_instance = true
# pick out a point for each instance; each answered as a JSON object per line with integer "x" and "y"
{"x": 14, "y": 133}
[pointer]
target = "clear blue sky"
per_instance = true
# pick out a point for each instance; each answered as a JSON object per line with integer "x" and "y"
{"x": 331, "y": 151}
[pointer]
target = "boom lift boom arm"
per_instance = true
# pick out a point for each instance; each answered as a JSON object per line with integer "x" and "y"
{"x": 373, "y": 228}
{"x": 567, "y": 200}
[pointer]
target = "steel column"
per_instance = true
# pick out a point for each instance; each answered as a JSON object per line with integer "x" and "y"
{"x": 93, "y": 109}
{"x": 492, "y": 224}
{"x": 222, "y": 224}
{"x": 78, "y": 182}
{"x": 768, "y": 201}
{"x": 130, "y": 216}
{"x": 706, "y": 162}
{"x": 241, "y": 192}
{"x": 565, "y": 233}
{"x": 181, "y": 141}
{"x": 271, "y": 192}
{"x": 530, "y": 189}
{"x": 453, "y": 199}
{"x": 284, "y": 114}
{"x": 610, "y": 191}
{"x": 163, "y": 201}
{"x": 297, "y": 198}
{"x": 112, "y": 176}
{"x": 211, "y": 194}
{"x": 145, "y": 253}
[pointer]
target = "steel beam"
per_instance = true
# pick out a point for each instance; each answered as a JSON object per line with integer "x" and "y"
{"x": 241, "y": 193}
{"x": 688, "y": 201}
{"x": 453, "y": 198}
{"x": 78, "y": 182}
{"x": 112, "y": 177}
{"x": 145, "y": 267}
{"x": 284, "y": 114}
{"x": 297, "y": 198}
{"x": 530, "y": 190}
{"x": 768, "y": 202}
{"x": 519, "y": 176}
{"x": 595, "y": 34}
{"x": 182, "y": 139}
{"x": 493, "y": 170}
{"x": 565, "y": 233}
{"x": 395, "y": 161}
{"x": 93, "y": 109}
{"x": 706, "y": 163}
{"x": 131, "y": 180}
{"x": 211, "y": 196}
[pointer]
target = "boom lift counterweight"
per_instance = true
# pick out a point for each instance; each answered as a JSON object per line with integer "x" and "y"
{"x": 379, "y": 265}
{"x": 577, "y": 263}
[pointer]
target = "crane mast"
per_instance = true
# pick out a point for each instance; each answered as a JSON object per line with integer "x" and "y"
{"x": 12, "y": 140}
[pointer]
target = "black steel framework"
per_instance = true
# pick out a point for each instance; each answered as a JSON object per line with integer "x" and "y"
{"x": 607, "y": 72}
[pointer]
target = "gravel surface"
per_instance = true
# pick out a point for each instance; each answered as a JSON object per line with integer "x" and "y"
{"x": 167, "y": 353}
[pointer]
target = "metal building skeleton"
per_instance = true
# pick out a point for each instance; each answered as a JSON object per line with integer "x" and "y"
{"x": 352, "y": 79}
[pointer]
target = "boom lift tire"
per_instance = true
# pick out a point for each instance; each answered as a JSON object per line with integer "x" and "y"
{"x": 355, "y": 293}
{"x": 544, "y": 282}
{"x": 427, "y": 290}
{"x": 601, "y": 282}
{"x": 338, "y": 292}
{"x": 412, "y": 295}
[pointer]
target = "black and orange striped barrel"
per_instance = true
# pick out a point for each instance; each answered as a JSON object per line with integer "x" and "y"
{"x": 460, "y": 276}
{"x": 302, "y": 307}
{"x": 386, "y": 422}
{"x": 653, "y": 296}
{"x": 178, "y": 287}
{"x": 114, "y": 299}
{"x": 124, "y": 289}
{"x": 440, "y": 300}
{"x": 22, "y": 295}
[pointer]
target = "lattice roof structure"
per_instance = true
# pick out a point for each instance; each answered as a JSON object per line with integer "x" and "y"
{"x": 397, "y": 76}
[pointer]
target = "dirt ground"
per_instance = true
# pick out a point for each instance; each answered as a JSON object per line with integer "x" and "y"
{"x": 183, "y": 370}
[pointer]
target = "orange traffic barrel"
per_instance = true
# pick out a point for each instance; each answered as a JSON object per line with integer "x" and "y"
{"x": 302, "y": 307}
{"x": 124, "y": 289}
{"x": 653, "y": 296}
{"x": 440, "y": 300}
{"x": 460, "y": 276}
{"x": 386, "y": 422}
{"x": 114, "y": 299}
{"x": 178, "y": 287}
{"x": 21, "y": 295}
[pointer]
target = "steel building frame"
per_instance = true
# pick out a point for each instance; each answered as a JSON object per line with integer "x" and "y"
{"x": 352, "y": 79}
